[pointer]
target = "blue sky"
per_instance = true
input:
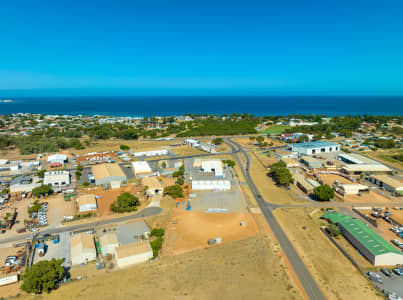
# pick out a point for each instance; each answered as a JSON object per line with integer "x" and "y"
{"x": 289, "y": 47}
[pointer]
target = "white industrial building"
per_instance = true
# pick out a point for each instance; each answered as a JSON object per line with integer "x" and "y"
{"x": 350, "y": 189}
{"x": 217, "y": 185}
{"x": 192, "y": 142}
{"x": 316, "y": 147}
{"x": 108, "y": 243}
{"x": 213, "y": 166}
{"x": 141, "y": 169}
{"x": 134, "y": 253}
{"x": 57, "y": 178}
{"x": 82, "y": 248}
{"x": 161, "y": 152}
{"x": 57, "y": 158}
{"x": 87, "y": 203}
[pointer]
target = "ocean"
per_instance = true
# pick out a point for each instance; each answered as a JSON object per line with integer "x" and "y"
{"x": 167, "y": 106}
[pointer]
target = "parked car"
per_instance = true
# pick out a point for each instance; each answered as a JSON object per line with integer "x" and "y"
{"x": 398, "y": 271}
{"x": 387, "y": 272}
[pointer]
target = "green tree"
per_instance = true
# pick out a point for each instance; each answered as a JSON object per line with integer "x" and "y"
{"x": 281, "y": 174}
{"x": 41, "y": 173}
{"x": 260, "y": 139}
{"x": 42, "y": 190}
{"x": 180, "y": 181}
{"x": 175, "y": 191}
{"x": 124, "y": 148}
{"x": 218, "y": 141}
{"x": 229, "y": 163}
{"x": 303, "y": 138}
{"x": 126, "y": 202}
{"x": 43, "y": 276}
{"x": 323, "y": 192}
{"x": 34, "y": 208}
{"x": 333, "y": 230}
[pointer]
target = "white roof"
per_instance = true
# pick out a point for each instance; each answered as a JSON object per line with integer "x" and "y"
{"x": 215, "y": 164}
{"x": 351, "y": 158}
{"x": 367, "y": 168}
{"x": 141, "y": 167}
{"x": 3, "y": 161}
{"x": 57, "y": 157}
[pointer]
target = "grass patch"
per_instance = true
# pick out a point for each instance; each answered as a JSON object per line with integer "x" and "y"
{"x": 275, "y": 129}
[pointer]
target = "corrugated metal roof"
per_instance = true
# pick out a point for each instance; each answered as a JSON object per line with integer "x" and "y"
{"x": 365, "y": 235}
{"x": 315, "y": 144}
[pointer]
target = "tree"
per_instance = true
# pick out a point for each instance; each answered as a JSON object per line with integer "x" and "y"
{"x": 41, "y": 173}
{"x": 260, "y": 139}
{"x": 180, "y": 181}
{"x": 43, "y": 276}
{"x": 333, "y": 230}
{"x": 175, "y": 191}
{"x": 42, "y": 190}
{"x": 323, "y": 192}
{"x": 124, "y": 148}
{"x": 281, "y": 174}
{"x": 34, "y": 208}
{"x": 303, "y": 138}
{"x": 126, "y": 202}
{"x": 229, "y": 163}
{"x": 218, "y": 141}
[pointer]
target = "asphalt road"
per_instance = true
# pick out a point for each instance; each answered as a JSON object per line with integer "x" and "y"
{"x": 311, "y": 288}
{"x": 147, "y": 212}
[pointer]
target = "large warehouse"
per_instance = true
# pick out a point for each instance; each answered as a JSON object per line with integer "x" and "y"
{"x": 316, "y": 147}
{"x": 106, "y": 173}
{"x": 371, "y": 245}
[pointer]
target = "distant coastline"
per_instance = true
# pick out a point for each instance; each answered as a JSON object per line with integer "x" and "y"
{"x": 6, "y": 101}
{"x": 145, "y": 106}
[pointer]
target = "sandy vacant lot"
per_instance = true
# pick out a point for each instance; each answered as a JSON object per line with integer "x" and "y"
{"x": 111, "y": 195}
{"x": 268, "y": 188}
{"x": 334, "y": 273}
{"x": 245, "y": 269}
{"x": 193, "y": 229}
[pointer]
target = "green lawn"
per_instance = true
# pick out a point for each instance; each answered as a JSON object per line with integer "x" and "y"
{"x": 275, "y": 129}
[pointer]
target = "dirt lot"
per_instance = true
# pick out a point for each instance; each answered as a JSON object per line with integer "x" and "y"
{"x": 186, "y": 235}
{"x": 370, "y": 197}
{"x": 22, "y": 214}
{"x": 245, "y": 269}
{"x": 268, "y": 188}
{"x": 110, "y": 196}
{"x": 58, "y": 208}
{"x": 334, "y": 273}
{"x": 248, "y": 144}
{"x": 109, "y": 145}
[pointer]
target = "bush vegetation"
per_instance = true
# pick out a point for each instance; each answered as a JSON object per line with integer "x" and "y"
{"x": 126, "y": 202}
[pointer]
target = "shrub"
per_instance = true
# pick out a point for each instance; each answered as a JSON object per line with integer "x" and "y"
{"x": 126, "y": 202}
{"x": 175, "y": 191}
